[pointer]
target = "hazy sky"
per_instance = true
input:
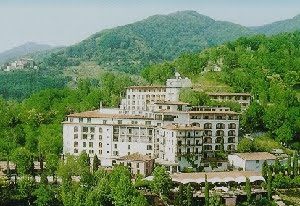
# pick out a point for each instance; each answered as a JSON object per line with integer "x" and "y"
{"x": 64, "y": 22}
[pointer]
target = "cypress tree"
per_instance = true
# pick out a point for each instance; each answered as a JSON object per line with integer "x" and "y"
{"x": 206, "y": 192}
{"x": 189, "y": 195}
{"x": 295, "y": 164}
{"x": 265, "y": 169}
{"x": 96, "y": 163}
{"x": 248, "y": 190}
{"x": 289, "y": 165}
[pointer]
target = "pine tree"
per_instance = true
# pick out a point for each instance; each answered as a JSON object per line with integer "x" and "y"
{"x": 206, "y": 192}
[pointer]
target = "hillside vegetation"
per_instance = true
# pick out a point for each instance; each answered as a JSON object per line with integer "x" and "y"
{"x": 267, "y": 67}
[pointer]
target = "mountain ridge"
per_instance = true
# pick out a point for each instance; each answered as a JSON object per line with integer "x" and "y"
{"x": 22, "y": 50}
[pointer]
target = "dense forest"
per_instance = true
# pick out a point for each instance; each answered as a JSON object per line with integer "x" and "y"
{"x": 267, "y": 67}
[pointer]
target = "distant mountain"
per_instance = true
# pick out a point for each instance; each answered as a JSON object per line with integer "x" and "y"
{"x": 158, "y": 38}
{"x": 25, "y": 49}
{"x": 288, "y": 25}
{"x": 155, "y": 39}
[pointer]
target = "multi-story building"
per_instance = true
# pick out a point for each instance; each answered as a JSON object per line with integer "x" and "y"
{"x": 244, "y": 99}
{"x": 152, "y": 121}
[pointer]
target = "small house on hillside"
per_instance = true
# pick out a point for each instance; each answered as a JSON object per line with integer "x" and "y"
{"x": 138, "y": 163}
{"x": 251, "y": 161}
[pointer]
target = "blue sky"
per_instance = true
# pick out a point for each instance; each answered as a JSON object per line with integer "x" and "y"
{"x": 65, "y": 22}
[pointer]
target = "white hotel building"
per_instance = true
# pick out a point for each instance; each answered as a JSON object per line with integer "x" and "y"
{"x": 152, "y": 121}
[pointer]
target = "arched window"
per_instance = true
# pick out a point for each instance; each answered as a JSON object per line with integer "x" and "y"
{"x": 100, "y": 144}
{"x": 219, "y": 133}
{"x": 219, "y": 140}
{"x": 207, "y": 126}
{"x": 231, "y": 139}
{"x": 232, "y": 126}
{"x": 231, "y": 133}
{"x": 218, "y": 147}
{"x": 207, "y": 140}
{"x": 75, "y": 129}
{"x": 207, "y": 133}
{"x": 195, "y": 124}
{"x": 220, "y": 126}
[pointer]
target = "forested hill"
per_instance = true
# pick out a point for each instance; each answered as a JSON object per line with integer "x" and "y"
{"x": 22, "y": 50}
{"x": 267, "y": 67}
{"x": 288, "y": 25}
{"x": 157, "y": 38}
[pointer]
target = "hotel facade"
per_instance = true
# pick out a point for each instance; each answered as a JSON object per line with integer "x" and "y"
{"x": 152, "y": 121}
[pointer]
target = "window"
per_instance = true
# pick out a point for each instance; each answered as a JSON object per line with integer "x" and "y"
{"x": 100, "y": 144}
{"x": 84, "y": 144}
{"x": 137, "y": 165}
{"x": 91, "y": 151}
{"x": 115, "y": 139}
{"x": 90, "y": 144}
{"x": 188, "y": 151}
{"x": 257, "y": 161}
{"x": 148, "y": 122}
{"x": 75, "y": 151}
{"x": 128, "y": 146}
{"x": 89, "y": 120}
{"x": 84, "y": 136}
{"x": 219, "y": 164}
{"x": 130, "y": 131}
{"x": 80, "y": 119}
{"x": 75, "y": 129}
{"x": 85, "y": 129}
{"x": 75, "y": 136}
{"x": 100, "y": 137}
{"x": 149, "y": 147}
{"x": 168, "y": 107}
{"x": 75, "y": 144}
{"x": 100, "y": 130}
{"x": 92, "y": 129}
{"x": 119, "y": 121}
{"x": 100, "y": 151}
{"x": 104, "y": 121}
{"x": 150, "y": 132}
{"x": 116, "y": 146}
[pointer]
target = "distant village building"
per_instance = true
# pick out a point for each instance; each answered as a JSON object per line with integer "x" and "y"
{"x": 23, "y": 63}
{"x": 137, "y": 163}
{"x": 152, "y": 121}
{"x": 251, "y": 161}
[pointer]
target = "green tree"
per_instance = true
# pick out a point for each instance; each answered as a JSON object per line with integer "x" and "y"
{"x": 162, "y": 182}
{"x": 45, "y": 195}
{"x": 245, "y": 145}
{"x": 23, "y": 160}
{"x": 25, "y": 189}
